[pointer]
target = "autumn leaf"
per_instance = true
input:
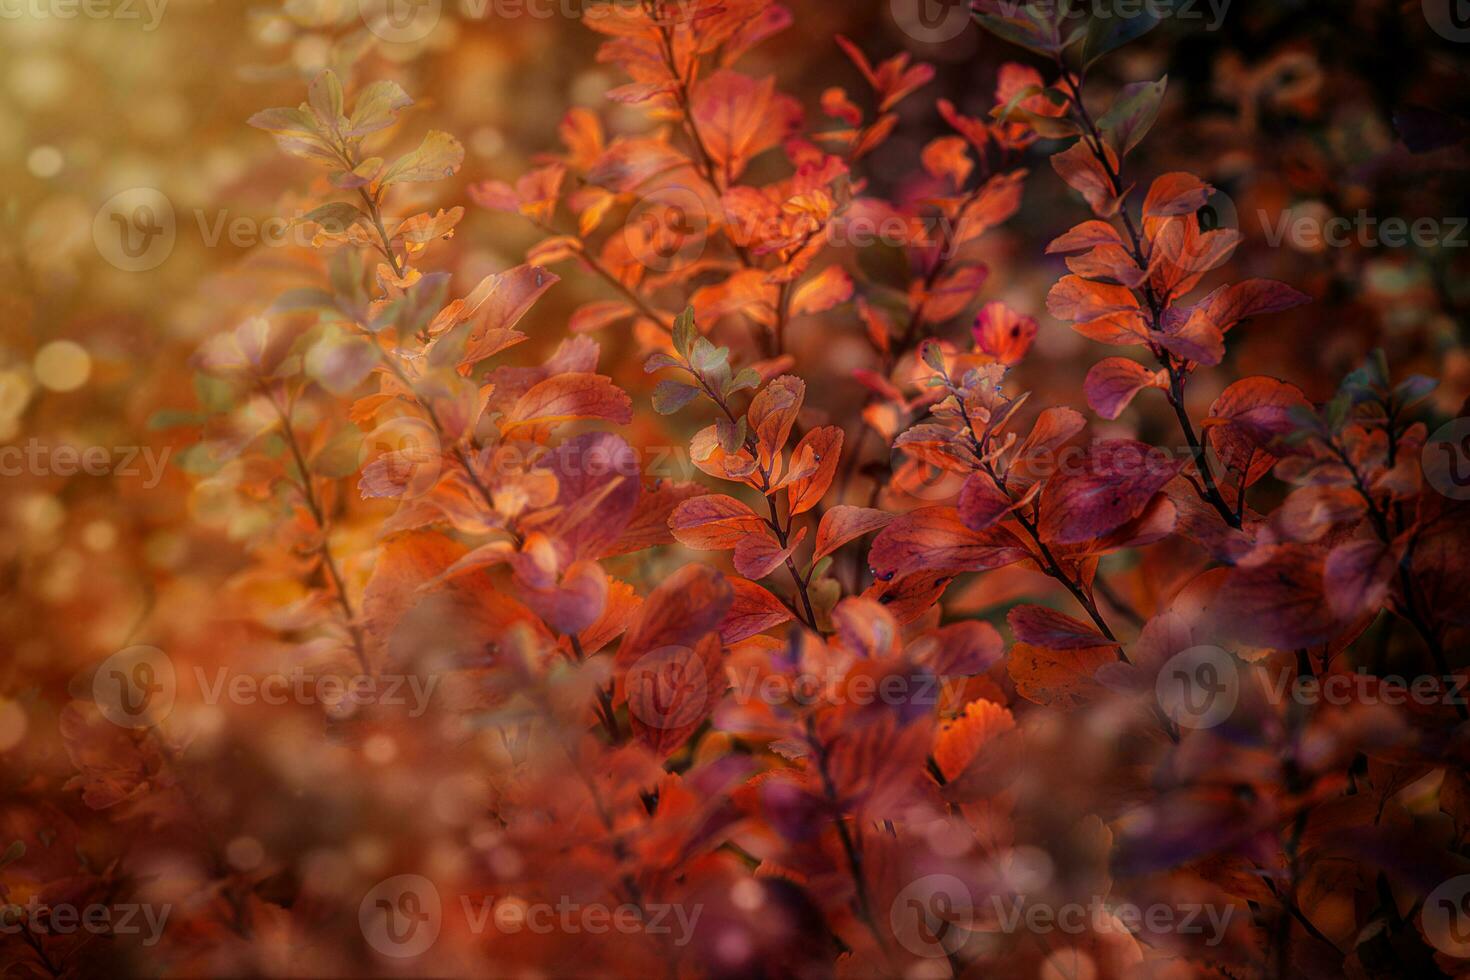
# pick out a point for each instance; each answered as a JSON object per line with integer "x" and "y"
{"x": 714, "y": 522}
{"x": 1112, "y": 384}
{"x": 1003, "y": 333}
{"x": 1045, "y": 627}
{"x": 1059, "y": 678}
{"x": 567, "y": 397}
{"x": 739, "y": 118}
{"x": 1103, "y": 490}
{"x": 934, "y": 539}
{"x": 824, "y": 448}
{"x": 754, "y": 610}
{"x": 844, "y": 523}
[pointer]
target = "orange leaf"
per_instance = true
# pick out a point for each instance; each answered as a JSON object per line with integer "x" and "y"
{"x": 714, "y": 522}
{"x": 844, "y": 523}
{"x": 825, "y": 446}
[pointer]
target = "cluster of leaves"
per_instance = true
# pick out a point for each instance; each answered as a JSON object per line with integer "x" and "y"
{"x": 529, "y": 565}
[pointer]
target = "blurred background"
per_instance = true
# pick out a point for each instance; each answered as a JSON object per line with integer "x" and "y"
{"x": 135, "y": 222}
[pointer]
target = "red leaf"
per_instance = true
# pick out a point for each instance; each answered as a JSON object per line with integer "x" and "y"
{"x": 754, "y": 610}
{"x": 714, "y": 522}
{"x": 1174, "y": 194}
{"x": 934, "y": 539}
{"x": 1278, "y": 601}
{"x": 825, "y": 448}
{"x": 1042, "y": 626}
{"x": 773, "y": 412}
{"x": 758, "y": 555}
{"x": 567, "y": 397}
{"x": 1107, "y": 488}
{"x": 740, "y": 118}
{"x": 1112, "y": 384}
{"x": 844, "y": 523}
{"x": 685, "y": 607}
{"x": 1246, "y": 421}
{"x": 1357, "y": 576}
{"x": 982, "y": 503}
{"x": 1003, "y": 333}
{"x": 1085, "y": 174}
{"x": 959, "y": 650}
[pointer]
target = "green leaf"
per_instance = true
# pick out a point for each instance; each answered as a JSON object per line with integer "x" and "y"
{"x": 1126, "y": 21}
{"x": 1035, "y": 26}
{"x": 658, "y": 361}
{"x": 747, "y": 378}
{"x": 336, "y": 217}
{"x": 437, "y": 157}
{"x": 325, "y": 96}
{"x": 707, "y": 357}
{"x": 1133, "y": 114}
{"x": 670, "y": 396}
{"x": 731, "y": 434}
{"x": 340, "y": 456}
{"x": 215, "y": 394}
{"x": 13, "y": 853}
{"x": 173, "y": 418}
{"x": 1412, "y": 389}
{"x": 340, "y": 361}
{"x": 933, "y": 356}
{"x": 377, "y": 107}
{"x": 685, "y": 332}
